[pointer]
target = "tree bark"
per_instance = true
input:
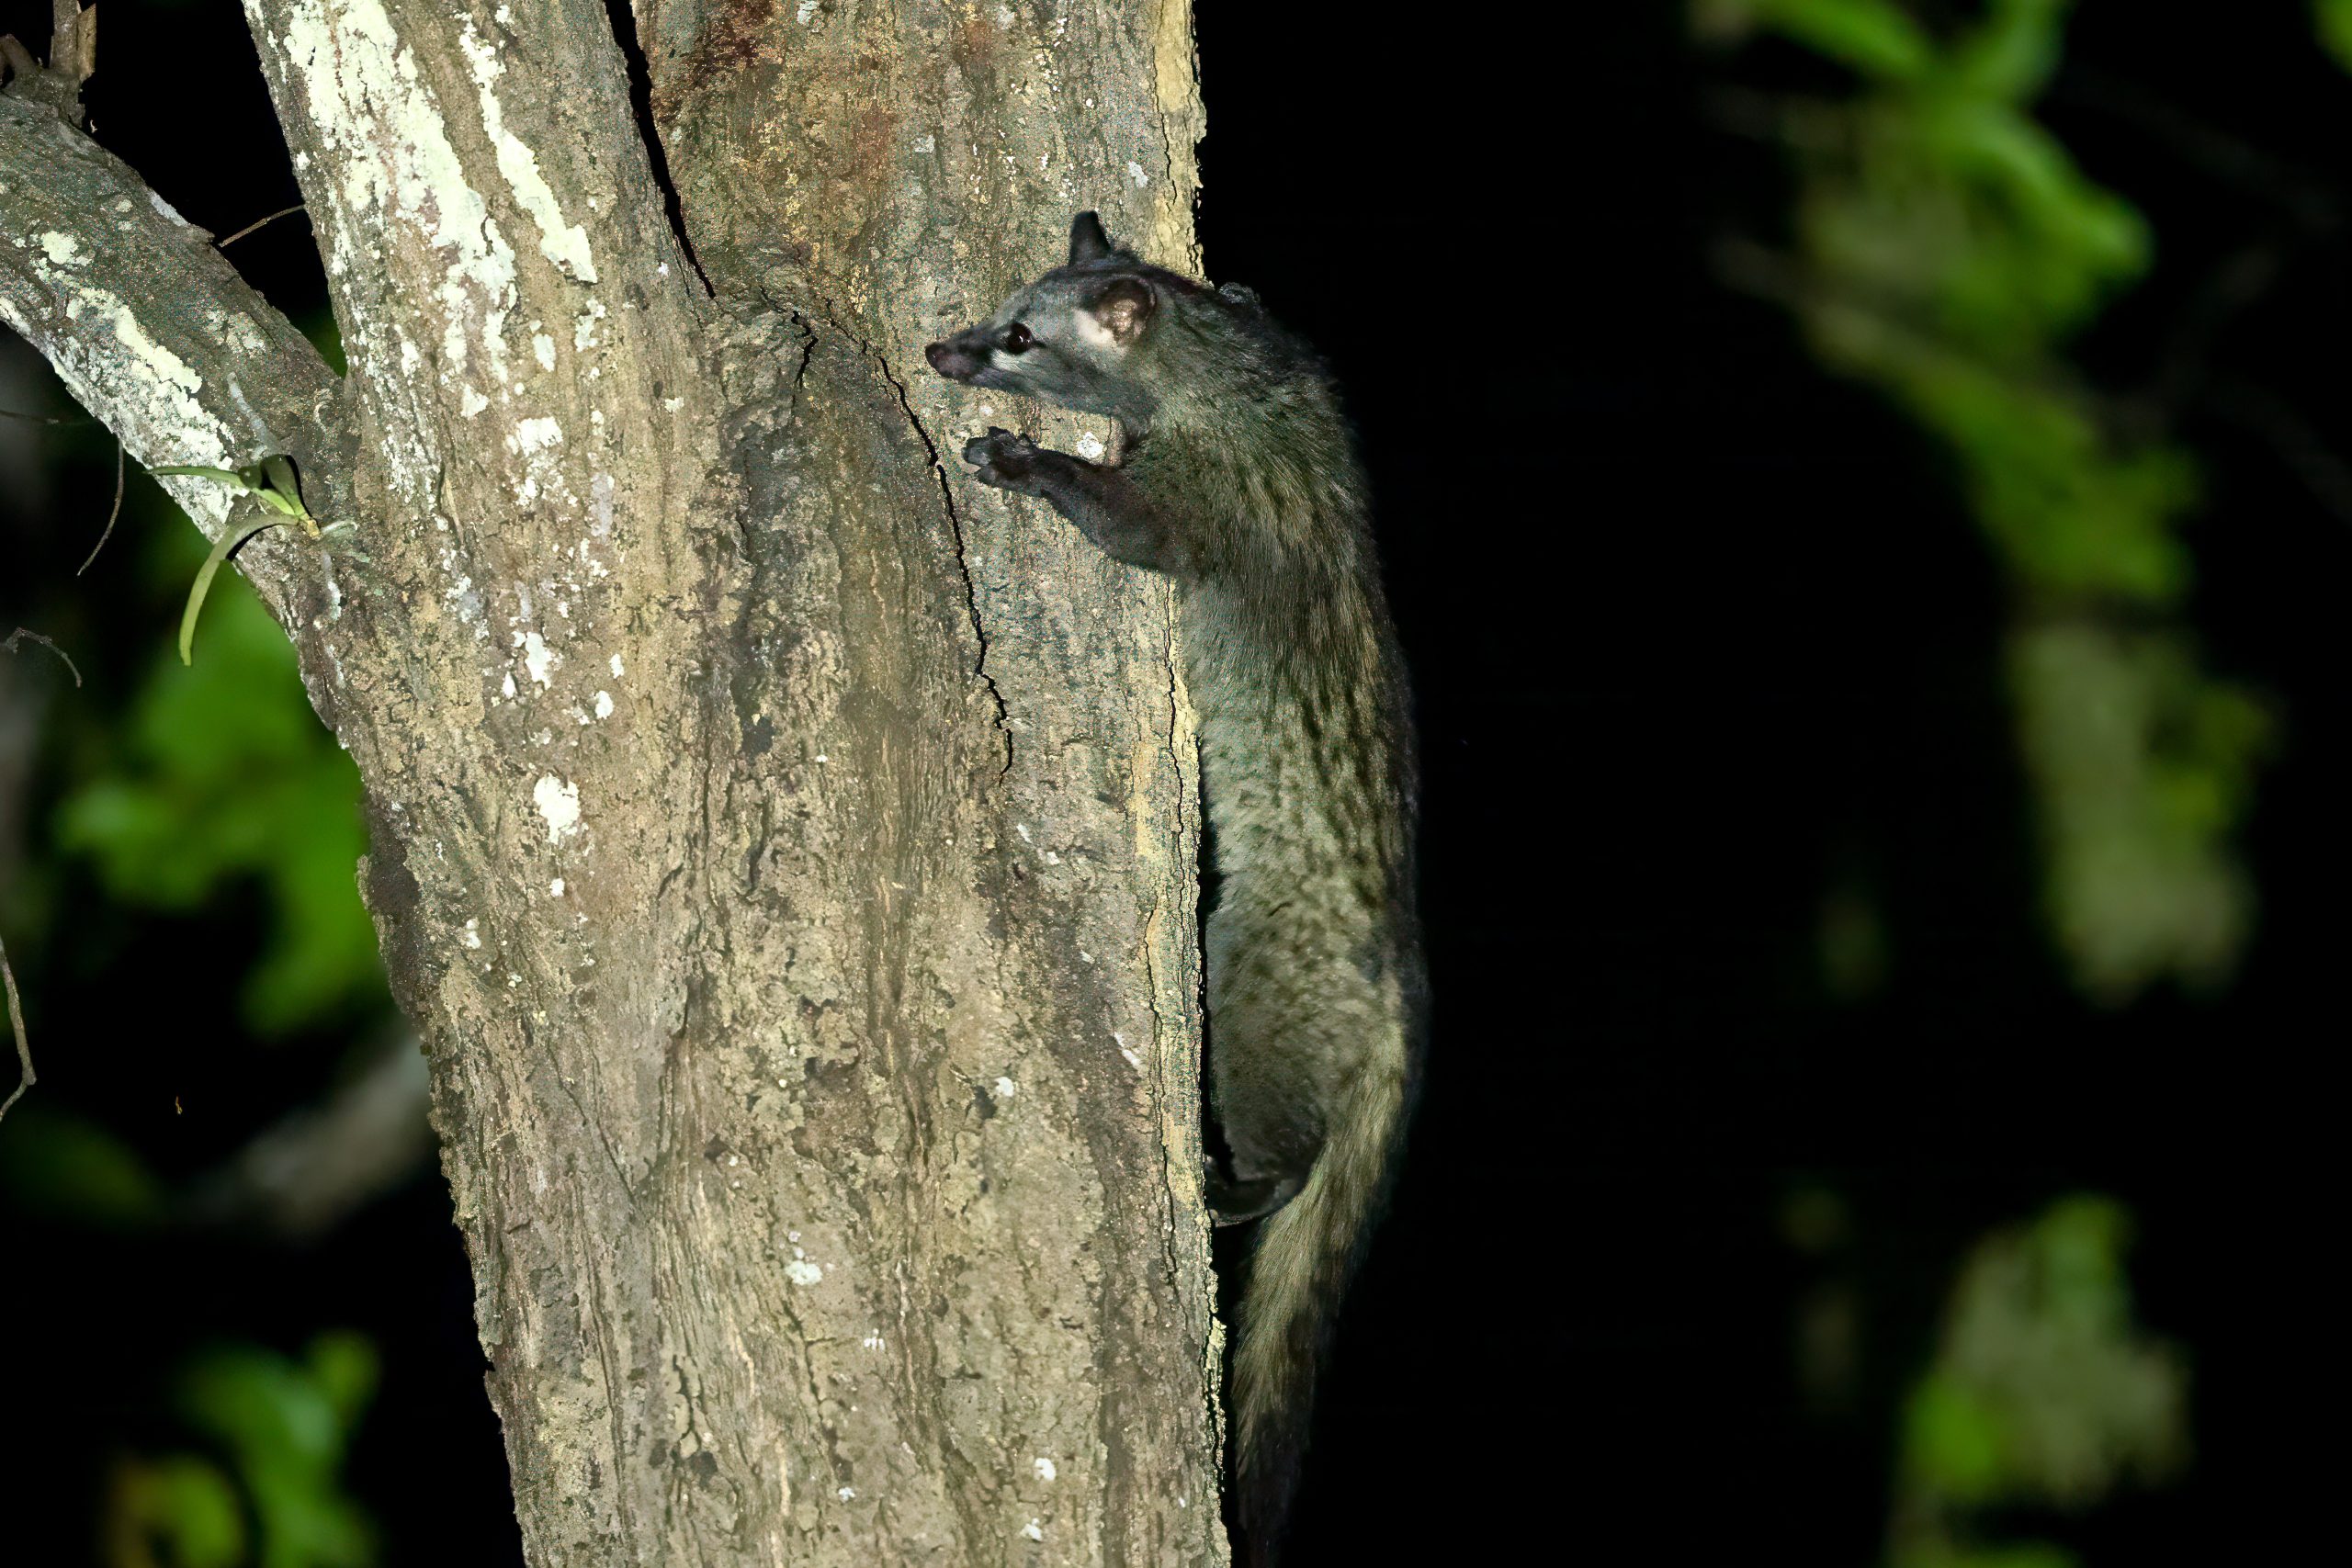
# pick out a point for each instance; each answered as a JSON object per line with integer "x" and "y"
{"x": 784, "y": 846}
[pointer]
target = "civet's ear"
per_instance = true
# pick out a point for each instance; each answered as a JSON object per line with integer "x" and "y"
{"x": 1087, "y": 241}
{"x": 1121, "y": 309}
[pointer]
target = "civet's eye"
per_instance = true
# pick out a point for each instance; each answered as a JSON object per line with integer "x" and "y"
{"x": 1017, "y": 339}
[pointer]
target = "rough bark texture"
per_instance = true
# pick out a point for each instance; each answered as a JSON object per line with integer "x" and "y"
{"x": 785, "y": 846}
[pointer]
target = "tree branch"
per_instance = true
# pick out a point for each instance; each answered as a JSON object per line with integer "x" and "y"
{"x": 26, "y": 1076}
{"x": 480, "y": 209}
{"x": 149, "y": 327}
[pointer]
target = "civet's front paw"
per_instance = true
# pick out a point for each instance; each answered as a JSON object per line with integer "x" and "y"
{"x": 1004, "y": 460}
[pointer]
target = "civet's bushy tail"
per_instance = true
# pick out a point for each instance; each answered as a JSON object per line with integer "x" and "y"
{"x": 1306, "y": 1252}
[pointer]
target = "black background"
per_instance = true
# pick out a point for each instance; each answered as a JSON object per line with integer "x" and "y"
{"x": 1699, "y": 635}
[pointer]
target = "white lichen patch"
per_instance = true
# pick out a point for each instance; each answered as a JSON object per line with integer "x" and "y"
{"x": 471, "y": 402}
{"x": 543, "y": 350}
{"x": 1004, "y": 1089}
{"x": 1089, "y": 446}
{"x": 1032, "y": 1531}
{"x": 385, "y": 131}
{"x": 155, "y": 389}
{"x": 166, "y": 212}
{"x": 615, "y": 662}
{"x": 539, "y": 659}
{"x": 1043, "y": 1467}
{"x": 604, "y": 705}
{"x": 800, "y": 1272}
{"x": 559, "y": 804}
{"x": 600, "y": 504}
{"x": 583, "y": 325}
{"x": 533, "y": 435}
{"x": 1134, "y": 173}
{"x": 471, "y": 935}
{"x": 555, "y": 888}
{"x": 564, "y": 244}
{"x": 535, "y": 440}
{"x": 64, "y": 249}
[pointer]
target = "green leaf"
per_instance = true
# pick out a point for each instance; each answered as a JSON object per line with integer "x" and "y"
{"x": 344, "y": 1364}
{"x": 288, "y": 1424}
{"x": 222, "y": 773}
{"x": 231, "y": 538}
{"x": 2335, "y": 20}
{"x": 175, "y": 1512}
{"x": 1953, "y": 1439}
{"x": 233, "y": 480}
{"x": 1874, "y": 37}
{"x": 55, "y": 1165}
{"x": 2011, "y": 54}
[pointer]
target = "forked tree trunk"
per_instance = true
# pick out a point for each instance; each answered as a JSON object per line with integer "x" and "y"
{"x": 785, "y": 846}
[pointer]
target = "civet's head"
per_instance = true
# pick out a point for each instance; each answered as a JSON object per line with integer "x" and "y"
{"x": 1066, "y": 338}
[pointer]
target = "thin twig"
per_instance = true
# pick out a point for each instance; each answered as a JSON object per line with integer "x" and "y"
{"x": 2245, "y": 167}
{"x": 27, "y": 1077}
{"x": 45, "y": 418}
{"x": 8, "y": 645}
{"x": 2307, "y": 453}
{"x": 224, "y": 244}
{"x": 110, "y": 516}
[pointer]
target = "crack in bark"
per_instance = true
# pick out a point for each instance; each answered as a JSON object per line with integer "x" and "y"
{"x": 1175, "y": 723}
{"x": 621, "y": 15}
{"x": 955, "y": 528}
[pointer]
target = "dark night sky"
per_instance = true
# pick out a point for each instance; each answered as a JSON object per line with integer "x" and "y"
{"x": 1700, "y": 634}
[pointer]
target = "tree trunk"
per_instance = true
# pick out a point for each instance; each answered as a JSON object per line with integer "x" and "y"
{"x": 784, "y": 846}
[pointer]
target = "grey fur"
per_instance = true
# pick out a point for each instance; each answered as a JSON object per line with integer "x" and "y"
{"x": 1239, "y": 478}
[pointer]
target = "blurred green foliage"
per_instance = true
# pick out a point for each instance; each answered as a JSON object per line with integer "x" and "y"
{"x": 1949, "y": 248}
{"x": 279, "y": 1429}
{"x": 60, "y": 1166}
{"x": 184, "y": 789}
{"x": 2335, "y": 18}
{"x": 222, "y": 773}
{"x": 179, "y": 1512}
{"x": 2042, "y": 1392}
{"x": 2144, "y": 765}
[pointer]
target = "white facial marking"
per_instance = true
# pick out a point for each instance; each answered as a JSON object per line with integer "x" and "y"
{"x": 1094, "y": 334}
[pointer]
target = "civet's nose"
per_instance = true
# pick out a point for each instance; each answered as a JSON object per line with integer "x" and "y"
{"x": 954, "y": 358}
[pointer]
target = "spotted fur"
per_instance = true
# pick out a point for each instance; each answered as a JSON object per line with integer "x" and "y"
{"x": 1239, "y": 478}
